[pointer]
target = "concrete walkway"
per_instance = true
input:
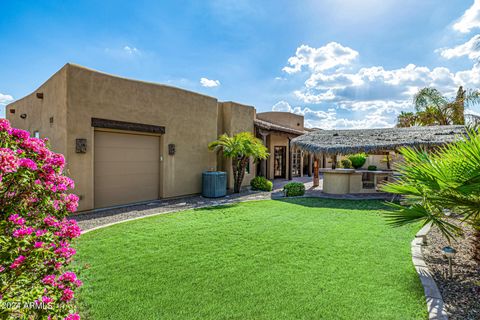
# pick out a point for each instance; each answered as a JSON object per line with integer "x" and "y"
{"x": 96, "y": 218}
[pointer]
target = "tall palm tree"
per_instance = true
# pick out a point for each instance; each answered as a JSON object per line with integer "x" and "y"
{"x": 240, "y": 148}
{"x": 439, "y": 183}
{"x": 432, "y": 108}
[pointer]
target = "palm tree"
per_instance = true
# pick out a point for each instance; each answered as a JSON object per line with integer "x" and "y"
{"x": 432, "y": 108}
{"x": 406, "y": 119}
{"x": 440, "y": 186}
{"x": 240, "y": 148}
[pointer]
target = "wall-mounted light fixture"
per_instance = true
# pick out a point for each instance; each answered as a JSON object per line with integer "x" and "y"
{"x": 23, "y": 116}
{"x": 171, "y": 149}
{"x": 40, "y": 95}
{"x": 81, "y": 145}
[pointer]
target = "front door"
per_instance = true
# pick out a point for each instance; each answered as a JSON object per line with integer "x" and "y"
{"x": 279, "y": 167}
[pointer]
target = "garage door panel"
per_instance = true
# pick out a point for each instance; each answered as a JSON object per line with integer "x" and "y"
{"x": 126, "y": 168}
{"x": 120, "y": 155}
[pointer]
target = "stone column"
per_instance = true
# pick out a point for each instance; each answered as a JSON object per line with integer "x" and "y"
{"x": 316, "y": 177}
{"x": 310, "y": 165}
{"x": 290, "y": 160}
{"x": 263, "y": 163}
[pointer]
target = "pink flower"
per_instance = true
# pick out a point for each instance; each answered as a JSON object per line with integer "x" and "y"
{"x": 38, "y": 244}
{"x": 78, "y": 283}
{"x": 72, "y": 316}
{"x": 68, "y": 276}
{"x": 16, "y": 219}
{"x": 51, "y": 221}
{"x": 72, "y": 202}
{"x": 8, "y": 160}
{"x": 67, "y": 295}
{"x": 17, "y": 262}
{"x": 2, "y": 268}
{"x": 69, "y": 229}
{"x": 46, "y": 300}
{"x": 23, "y": 231}
{"x": 21, "y": 134}
{"x": 28, "y": 163}
{"x": 50, "y": 279}
{"x": 40, "y": 232}
{"x": 5, "y": 125}
{"x": 65, "y": 251}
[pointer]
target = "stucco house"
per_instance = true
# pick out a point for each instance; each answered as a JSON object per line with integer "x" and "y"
{"x": 128, "y": 141}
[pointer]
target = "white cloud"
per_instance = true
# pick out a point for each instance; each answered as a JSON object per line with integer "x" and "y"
{"x": 367, "y": 97}
{"x": 471, "y": 49}
{"x": 209, "y": 83}
{"x": 470, "y": 19}
{"x": 5, "y": 98}
{"x": 131, "y": 50}
{"x": 324, "y": 58}
{"x": 329, "y": 119}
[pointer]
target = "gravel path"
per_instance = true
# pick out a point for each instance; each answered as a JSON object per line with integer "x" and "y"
{"x": 461, "y": 293}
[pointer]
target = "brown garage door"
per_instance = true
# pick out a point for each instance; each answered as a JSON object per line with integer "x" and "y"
{"x": 126, "y": 168}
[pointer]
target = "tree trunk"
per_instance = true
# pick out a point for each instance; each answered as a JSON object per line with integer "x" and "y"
{"x": 239, "y": 173}
{"x": 235, "y": 175}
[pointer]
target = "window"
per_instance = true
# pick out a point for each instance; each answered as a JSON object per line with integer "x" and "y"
{"x": 247, "y": 169}
{"x": 36, "y": 134}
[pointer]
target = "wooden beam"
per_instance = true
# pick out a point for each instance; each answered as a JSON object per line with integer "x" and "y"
{"x": 128, "y": 126}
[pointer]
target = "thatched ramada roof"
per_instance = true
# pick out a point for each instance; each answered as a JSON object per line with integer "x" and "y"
{"x": 375, "y": 140}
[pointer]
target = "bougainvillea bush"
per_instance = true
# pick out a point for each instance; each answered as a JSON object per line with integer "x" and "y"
{"x": 35, "y": 234}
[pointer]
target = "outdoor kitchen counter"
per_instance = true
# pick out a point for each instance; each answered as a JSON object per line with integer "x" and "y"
{"x": 345, "y": 181}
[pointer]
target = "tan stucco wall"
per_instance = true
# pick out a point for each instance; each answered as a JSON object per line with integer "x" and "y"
{"x": 286, "y": 119}
{"x": 235, "y": 118}
{"x": 39, "y": 111}
{"x": 190, "y": 121}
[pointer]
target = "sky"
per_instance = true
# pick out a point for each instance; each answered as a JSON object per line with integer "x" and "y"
{"x": 340, "y": 63}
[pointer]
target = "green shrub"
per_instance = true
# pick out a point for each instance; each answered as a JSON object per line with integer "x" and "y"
{"x": 346, "y": 163}
{"x": 261, "y": 183}
{"x": 294, "y": 189}
{"x": 372, "y": 168}
{"x": 358, "y": 160}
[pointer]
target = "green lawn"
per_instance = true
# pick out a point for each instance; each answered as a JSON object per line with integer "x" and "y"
{"x": 297, "y": 259}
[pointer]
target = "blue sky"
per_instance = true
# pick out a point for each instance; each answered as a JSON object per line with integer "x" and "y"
{"x": 341, "y": 63}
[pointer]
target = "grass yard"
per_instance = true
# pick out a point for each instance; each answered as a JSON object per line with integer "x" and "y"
{"x": 303, "y": 258}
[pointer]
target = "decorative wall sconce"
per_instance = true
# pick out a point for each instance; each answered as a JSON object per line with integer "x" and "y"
{"x": 81, "y": 145}
{"x": 171, "y": 149}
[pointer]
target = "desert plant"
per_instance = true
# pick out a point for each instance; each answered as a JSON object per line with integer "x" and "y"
{"x": 240, "y": 148}
{"x": 346, "y": 163}
{"x": 35, "y": 250}
{"x": 372, "y": 168}
{"x": 358, "y": 160}
{"x": 294, "y": 189}
{"x": 261, "y": 183}
{"x": 440, "y": 183}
